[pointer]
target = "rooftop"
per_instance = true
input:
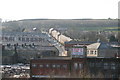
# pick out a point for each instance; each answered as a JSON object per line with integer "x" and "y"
{"x": 99, "y": 45}
{"x": 55, "y": 58}
{"x": 23, "y": 33}
{"x": 79, "y": 42}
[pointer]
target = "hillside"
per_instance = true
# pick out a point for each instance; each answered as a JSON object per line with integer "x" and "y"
{"x": 75, "y": 24}
{"x": 80, "y": 29}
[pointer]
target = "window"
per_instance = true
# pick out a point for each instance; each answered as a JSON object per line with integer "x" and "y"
{"x": 47, "y": 65}
{"x": 41, "y": 65}
{"x": 95, "y": 52}
{"x": 76, "y": 65}
{"x": 35, "y": 39}
{"x": 19, "y": 38}
{"x": 23, "y": 39}
{"x": 34, "y": 65}
{"x": 80, "y": 65}
{"x": 106, "y": 66}
{"x": 31, "y": 39}
{"x": 27, "y": 39}
{"x": 113, "y": 66}
{"x": 53, "y": 65}
{"x": 11, "y": 38}
{"x": 64, "y": 66}
{"x": 58, "y": 66}
{"x": 6, "y": 38}
{"x": 91, "y": 52}
{"x": 40, "y": 39}
{"x": 88, "y": 52}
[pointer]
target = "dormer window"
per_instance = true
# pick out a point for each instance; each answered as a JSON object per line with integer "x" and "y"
{"x": 95, "y": 52}
{"x": 91, "y": 52}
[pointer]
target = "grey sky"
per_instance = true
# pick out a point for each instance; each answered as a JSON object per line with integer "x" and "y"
{"x": 58, "y": 9}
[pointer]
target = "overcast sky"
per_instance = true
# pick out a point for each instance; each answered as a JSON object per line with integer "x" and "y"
{"x": 58, "y": 9}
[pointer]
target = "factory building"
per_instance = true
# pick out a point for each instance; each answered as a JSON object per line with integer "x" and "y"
{"x": 78, "y": 65}
{"x": 61, "y": 66}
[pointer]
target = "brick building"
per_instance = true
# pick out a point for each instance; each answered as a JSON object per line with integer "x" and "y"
{"x": 67, "y": 67}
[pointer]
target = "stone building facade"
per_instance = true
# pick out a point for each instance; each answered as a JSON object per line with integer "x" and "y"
{"x": 21, "y": 47}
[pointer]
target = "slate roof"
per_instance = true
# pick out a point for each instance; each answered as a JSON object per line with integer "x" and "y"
{"x": 99, "y": 45}
{"x": 79, "y": 42}
{"x": 24, "y": 33}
